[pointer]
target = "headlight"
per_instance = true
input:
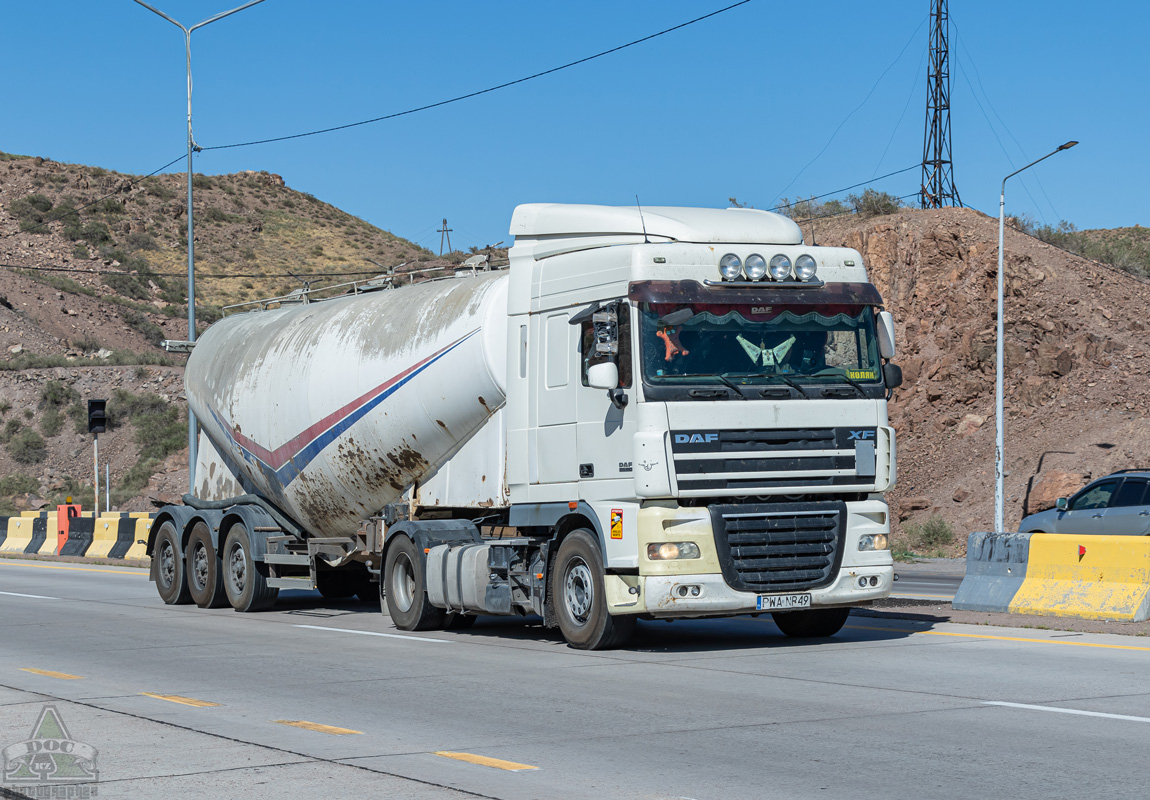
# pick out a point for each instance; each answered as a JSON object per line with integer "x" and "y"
{"x": 669, "y": 551}
{"x": 780, "y": 267}
{"x": 756, "y": 267}
{"x": 873, "y": 541}
{"x": 730, "y": 267}
{"x": 805, "y": 267}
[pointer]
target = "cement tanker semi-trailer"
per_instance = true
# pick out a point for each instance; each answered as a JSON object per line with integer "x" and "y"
{"x": 658, "y": 414}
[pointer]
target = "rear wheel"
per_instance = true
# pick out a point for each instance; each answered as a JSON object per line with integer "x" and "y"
{"x": 204, "y": 570}
{"x": 579, "y": 599}
{"x": 168, "y": 567}
{"x": 407, "y": 601}
{"x": 247, "y": 589}
{"x": 816, "y": 623}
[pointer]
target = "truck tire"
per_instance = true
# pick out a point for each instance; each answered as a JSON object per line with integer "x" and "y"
{"x": 817, "y": 623}
{"x": 247, "y": 589}
{"x": 204, "y": 569}
{"x": 168, "y": 566}
{"x": 403, "y": 586}
{"x": 579, "y": 599}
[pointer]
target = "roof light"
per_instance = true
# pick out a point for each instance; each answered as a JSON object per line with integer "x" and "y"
{"x": 730, "y": 267}
{"x": 780, "y": 267}
{"x": 805, "y": 267}
{"x": 756, "y": 267}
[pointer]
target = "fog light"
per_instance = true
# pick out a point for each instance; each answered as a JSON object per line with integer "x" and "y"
{"x": 682, "y": 591}
{"x": 730, "y": 267}
{"x": 874, "y": 580}
{"x": 862, "y": 581}
{"x": 670, "y": 551}
{"x": 695, "y": 591}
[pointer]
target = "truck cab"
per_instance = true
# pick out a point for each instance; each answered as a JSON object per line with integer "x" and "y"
{"x": 711, "y": 393}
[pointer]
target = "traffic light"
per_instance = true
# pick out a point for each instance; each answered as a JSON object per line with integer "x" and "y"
{"x": 97, "y": 418}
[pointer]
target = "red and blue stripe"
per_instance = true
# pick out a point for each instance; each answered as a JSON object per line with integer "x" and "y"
{"x": 283, "y": 464}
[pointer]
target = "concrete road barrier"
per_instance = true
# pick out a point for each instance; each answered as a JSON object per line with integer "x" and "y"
{"x": 80, "y": 530}
{"x": 996, "y": 565}
{"x": 1092, "y": 577}
{"x": 26, "y": 534}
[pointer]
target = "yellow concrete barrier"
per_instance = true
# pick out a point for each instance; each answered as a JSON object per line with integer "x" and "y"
{"x": 105, "y": 531}
{"x": 1092, "y": 577}
{"x": 139, "y": 548}
{"x": 19, "y": 535}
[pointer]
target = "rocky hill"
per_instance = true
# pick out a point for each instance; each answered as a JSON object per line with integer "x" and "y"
{"x": 90, "y": 287}
{"x": 1077, "y": 354}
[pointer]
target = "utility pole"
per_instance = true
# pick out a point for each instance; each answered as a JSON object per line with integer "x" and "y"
{"x": 938, "y": 188}
{"x": 444, "y": 231}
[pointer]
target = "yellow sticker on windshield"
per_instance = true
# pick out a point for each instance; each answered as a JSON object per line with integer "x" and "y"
{"x": 861, "y": 374}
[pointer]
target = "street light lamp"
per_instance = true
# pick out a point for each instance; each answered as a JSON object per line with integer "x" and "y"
{"x": 998, "y": 421}
{"x": 191, "y": 238}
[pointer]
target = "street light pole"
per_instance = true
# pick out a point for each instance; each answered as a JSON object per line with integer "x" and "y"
{"x": 192, "y": 146}
{"x": 998, "y": 420}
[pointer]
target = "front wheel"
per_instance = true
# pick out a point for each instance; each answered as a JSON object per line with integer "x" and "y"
{"x": 816, "y": 623}
{"x": 406, "y": 594}
{"x": 168, "y": 567}
{"x": 247, "y": 589}
{"x": 579, "y": 599}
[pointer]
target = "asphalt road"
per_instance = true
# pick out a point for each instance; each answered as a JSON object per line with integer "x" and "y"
{"x": 184, "y": 702}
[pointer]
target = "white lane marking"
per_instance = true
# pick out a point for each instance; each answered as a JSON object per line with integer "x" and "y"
{"x": 1067, "y": 711}
{"x": 373, "y": 633}
{"x": 33, "y": 596}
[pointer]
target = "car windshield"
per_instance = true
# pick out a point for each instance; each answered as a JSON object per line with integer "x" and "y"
{"x": 697, "y": 343}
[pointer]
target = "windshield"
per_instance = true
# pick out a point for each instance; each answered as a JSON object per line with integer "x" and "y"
{"x": 706, "y": 343}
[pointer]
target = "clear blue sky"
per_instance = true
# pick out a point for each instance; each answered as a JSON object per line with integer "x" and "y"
{"x": 737, "y": 105}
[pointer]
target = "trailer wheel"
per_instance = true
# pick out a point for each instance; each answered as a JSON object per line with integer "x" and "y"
{"x": 579, "y": 599}
{"x": 204, "y": 569}
{"x": 405, "y": 591}
{"x": 247, "y": 589}
{"x": 168, "y": 567}
{"x": 816, "y": 623}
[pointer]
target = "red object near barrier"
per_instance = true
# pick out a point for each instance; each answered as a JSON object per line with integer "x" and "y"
{"x": 64, "y": 513}
{"x": 1081, "y": 551}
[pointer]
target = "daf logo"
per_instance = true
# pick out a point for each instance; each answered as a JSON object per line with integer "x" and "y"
{"x": 861, "y": 435}
{"x": 696, "y": 438}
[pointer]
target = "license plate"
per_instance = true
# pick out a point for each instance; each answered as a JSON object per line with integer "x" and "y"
{"x": 779, "y": 602}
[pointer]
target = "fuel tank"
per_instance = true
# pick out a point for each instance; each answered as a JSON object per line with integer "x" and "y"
{"x": 333, "y": 408}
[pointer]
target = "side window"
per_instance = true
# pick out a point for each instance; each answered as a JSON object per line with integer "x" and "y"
{"x": 587, "y": 346}
{"x": 1130, "y": 494}
{"x": 1097, "y": 496}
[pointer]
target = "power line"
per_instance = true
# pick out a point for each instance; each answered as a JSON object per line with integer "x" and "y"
{"x": 469, "y": 95}
{"x": 97, "y": 200}
{"x": 846, "y": 189}
{"x": 854, "y": 111}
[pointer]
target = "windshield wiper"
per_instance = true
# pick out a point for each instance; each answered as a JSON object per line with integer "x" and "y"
{"x": 727, "y": 382}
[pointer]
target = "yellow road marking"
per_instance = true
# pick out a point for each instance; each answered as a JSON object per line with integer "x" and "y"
{"x": 175, "y": 698}
{"x": 15, "y": 563}
{"x": 484, "y": 761}
{"x": 999, "y": 638}
{"x": 315, "y": 726}
{"x": 64, "y": 676}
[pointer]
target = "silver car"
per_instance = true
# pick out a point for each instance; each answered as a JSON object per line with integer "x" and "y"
{"x": 1118, "y": 504}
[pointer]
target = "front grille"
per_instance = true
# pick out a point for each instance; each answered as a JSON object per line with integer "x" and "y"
{"x": 779, "y": 547}
{"x": 749, "y": 462}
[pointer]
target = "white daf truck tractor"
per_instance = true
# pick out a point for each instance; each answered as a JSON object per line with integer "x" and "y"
{"x": 657, "y": 413}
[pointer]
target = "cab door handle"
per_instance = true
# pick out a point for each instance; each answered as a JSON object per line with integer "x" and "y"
{"x": 1144, "y": 513}
{"x": 1096, "y": 516}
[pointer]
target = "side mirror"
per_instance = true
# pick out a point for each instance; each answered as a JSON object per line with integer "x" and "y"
{"x": 1062, "y": 503}
{"x": 892, "y": 375}
{"x": 885, "y": 334}
{"x": 603, "y": 376}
